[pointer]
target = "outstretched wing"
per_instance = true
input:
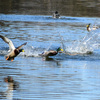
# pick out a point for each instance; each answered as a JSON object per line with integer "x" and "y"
{"x": 21, "y": 45}
{"x": 9, "y": 42}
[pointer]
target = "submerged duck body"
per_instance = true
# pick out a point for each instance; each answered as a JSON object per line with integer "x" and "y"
{"x": 13, "y": 52}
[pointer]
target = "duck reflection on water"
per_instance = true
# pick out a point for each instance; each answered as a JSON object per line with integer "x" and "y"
{"x": 12, "y": 85}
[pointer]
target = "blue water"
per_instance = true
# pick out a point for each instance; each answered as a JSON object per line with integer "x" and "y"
{"x": 63, "y": 77}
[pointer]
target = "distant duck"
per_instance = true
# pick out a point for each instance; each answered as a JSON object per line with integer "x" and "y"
{"x": 13, "y": 51}
{"x": 93, "y": 28}
{"x": 56, "y": 15}
{"x": 51, "y": 53}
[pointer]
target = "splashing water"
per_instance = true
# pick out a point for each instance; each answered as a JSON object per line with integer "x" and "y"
{"x": 62, "y": 44}
{"x": 88, "y": 44}
{"x": 31, "y": 51}
{"x": 3, "y": 51}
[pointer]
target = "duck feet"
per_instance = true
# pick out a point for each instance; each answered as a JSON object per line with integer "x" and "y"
{"x": 12, "y": 60}
{"x": 7, "y": 57}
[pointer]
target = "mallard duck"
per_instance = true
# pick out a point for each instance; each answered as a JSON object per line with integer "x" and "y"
{"x": 56, "y": 15}
{"x": 93, "y": 28}
{"x": 13, "y": 52}
{"x": 51, "y": 52}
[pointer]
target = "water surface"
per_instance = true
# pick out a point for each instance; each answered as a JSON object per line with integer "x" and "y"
{"x": 62, "y": 77}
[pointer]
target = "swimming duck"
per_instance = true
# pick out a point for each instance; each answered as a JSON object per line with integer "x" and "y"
{"x": 13, "y": 52}
{"x": 56, "y": 15}
{"x": 51, "y": 52}
{"x": 93, "y": 28}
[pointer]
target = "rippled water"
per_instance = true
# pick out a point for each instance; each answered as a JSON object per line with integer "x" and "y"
{"x": 71, "y": 77}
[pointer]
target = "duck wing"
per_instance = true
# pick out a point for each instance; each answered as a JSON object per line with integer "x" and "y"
{"x": 9, "y": 42}
{"x": 21, "y": 45}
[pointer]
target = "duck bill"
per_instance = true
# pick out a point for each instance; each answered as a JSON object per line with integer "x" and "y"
{"x": 87, "y": 25}
{"x": 23, "y": 51}
{"x": 62, "y": 50}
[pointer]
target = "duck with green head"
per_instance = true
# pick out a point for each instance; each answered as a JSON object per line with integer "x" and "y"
{"x": 13, "y": 52}
{"x": 51, "y": 52}
{"x": 93, "y": 28}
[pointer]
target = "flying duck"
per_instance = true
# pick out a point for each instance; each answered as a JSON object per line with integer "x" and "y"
{"x": 51, "y": 53}
{"x": 13, "y": 52}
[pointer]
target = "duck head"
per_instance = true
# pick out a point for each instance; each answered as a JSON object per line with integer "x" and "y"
{"x": 59, "y": 49}
{"x": 21, "y": 50}
{"x": 56, "y": 12}
{"x": 88, "y": 27}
